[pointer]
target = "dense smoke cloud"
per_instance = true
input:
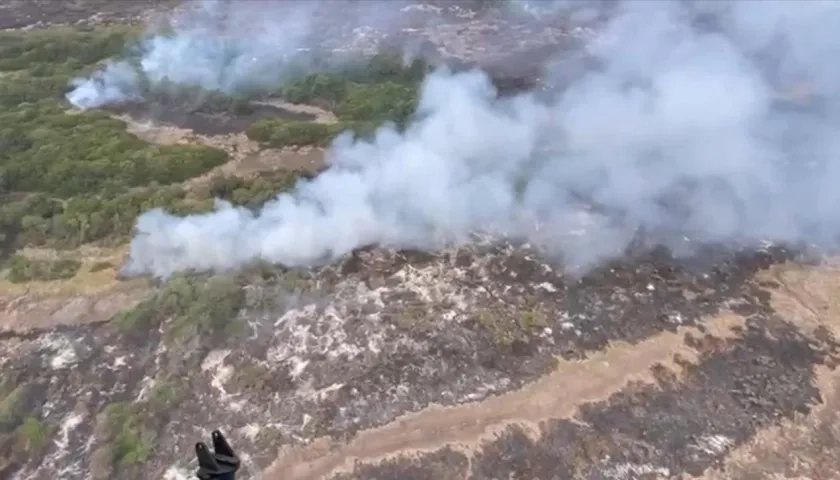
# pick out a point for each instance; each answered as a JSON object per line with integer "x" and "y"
{"x": 679, "y": 132}
{"x": 230, "y": 46}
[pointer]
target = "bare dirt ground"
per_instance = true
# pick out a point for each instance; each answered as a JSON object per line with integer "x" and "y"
{"x": 92, "y": 296}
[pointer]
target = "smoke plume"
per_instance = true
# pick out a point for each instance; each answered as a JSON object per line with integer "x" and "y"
{"x": 229, "y": 46}
{"x": 703, "y": 122}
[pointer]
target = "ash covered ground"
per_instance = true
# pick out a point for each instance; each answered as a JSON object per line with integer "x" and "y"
{"x": 476, "y": 363}
{"x": 481, "y": 362}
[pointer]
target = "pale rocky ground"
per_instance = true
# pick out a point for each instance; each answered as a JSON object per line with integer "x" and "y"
{"x": 29, "y": 14}
{"x": 479, "y": 363}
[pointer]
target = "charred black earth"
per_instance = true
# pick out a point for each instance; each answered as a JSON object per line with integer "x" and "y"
{"x": 325, "y": 365}
{"x": 204, "y": 119}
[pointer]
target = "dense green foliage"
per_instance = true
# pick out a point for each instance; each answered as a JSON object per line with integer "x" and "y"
{"x": 67, "y": 178}
{"x": 109, "y": 215}
{"x": 45, "y": 149}
{"x": 50, "y": 151}
{"x": 363, "y": 98}
{"x": 70, "y": 178}
{"x": 191, "y": 308}
{"x": 131, "y": 443}
{"x": 23, "y": 269}
{"x": 279, "y": 132}
{"x": 39, "y": 64}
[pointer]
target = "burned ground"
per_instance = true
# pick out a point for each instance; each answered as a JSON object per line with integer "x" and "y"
{"x": 41, "y": 13}
{"x": 206, "y": 121}
{"x": 672, "y": 427}
{"x": 387, "y": 354}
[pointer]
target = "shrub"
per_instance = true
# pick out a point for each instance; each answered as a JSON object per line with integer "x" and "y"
{"x": 32, "y": 434}
{"x": 191, "y": 307}
{"x": 209, "y": 310}
{"x": 12, "y": 408}
{"x": 131, "y": 442}
{"x": 109, "y": 217}
{"x": 71, "y": 179}
{"x": 69, "y": 155}
{"x": 279, "y": 133}
{"x": 379, "y": 103}
{"x": 23, "y": 269}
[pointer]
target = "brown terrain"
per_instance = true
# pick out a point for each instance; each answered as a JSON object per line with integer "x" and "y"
{"x": 16, "y": 14}
{"x": 476, "y": 363}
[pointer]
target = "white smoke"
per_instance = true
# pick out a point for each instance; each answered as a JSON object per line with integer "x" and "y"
{"x": 210, "y": 45}
{"x": 229, "y": 46}
{"x": 118, "y": 82}
{"x": 675, "y": 108}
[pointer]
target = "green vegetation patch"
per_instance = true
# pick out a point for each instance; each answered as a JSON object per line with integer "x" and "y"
{"x": 278, "y": 132}
{"x": 211, "y": 309}
{"x": 69, "y": 178}
{"x": 23, "y": 434}
{"x": 381, "y": 102}
{"x": 23, "y": 269}
{"x": 43, "y": 148}
{"x": 130, "y": 439}
{"x": 12, "y": 408}
{"x": 382, "y": 90}
{"x": 73, "y": 178}
{"x": 505, "y": 330}
{"x": 131, "y": 427}
{"x": 32, "y": 435}
{"x": 128, "y": 430}
{"x": 108, "y": 218}
{"x": 189, "y": 308}
{"x": 39, "y": 64}
{"x": 51, "y": 151}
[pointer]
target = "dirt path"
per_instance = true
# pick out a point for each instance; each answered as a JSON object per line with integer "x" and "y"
{"x": 246, "y": 156}
{"x": 809, "y": 446}
{"x": 92, "y": 295}
{"x": 806, "y": 447}
{"x": 21, "y": 313}
{"x": 464, "y": 427}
